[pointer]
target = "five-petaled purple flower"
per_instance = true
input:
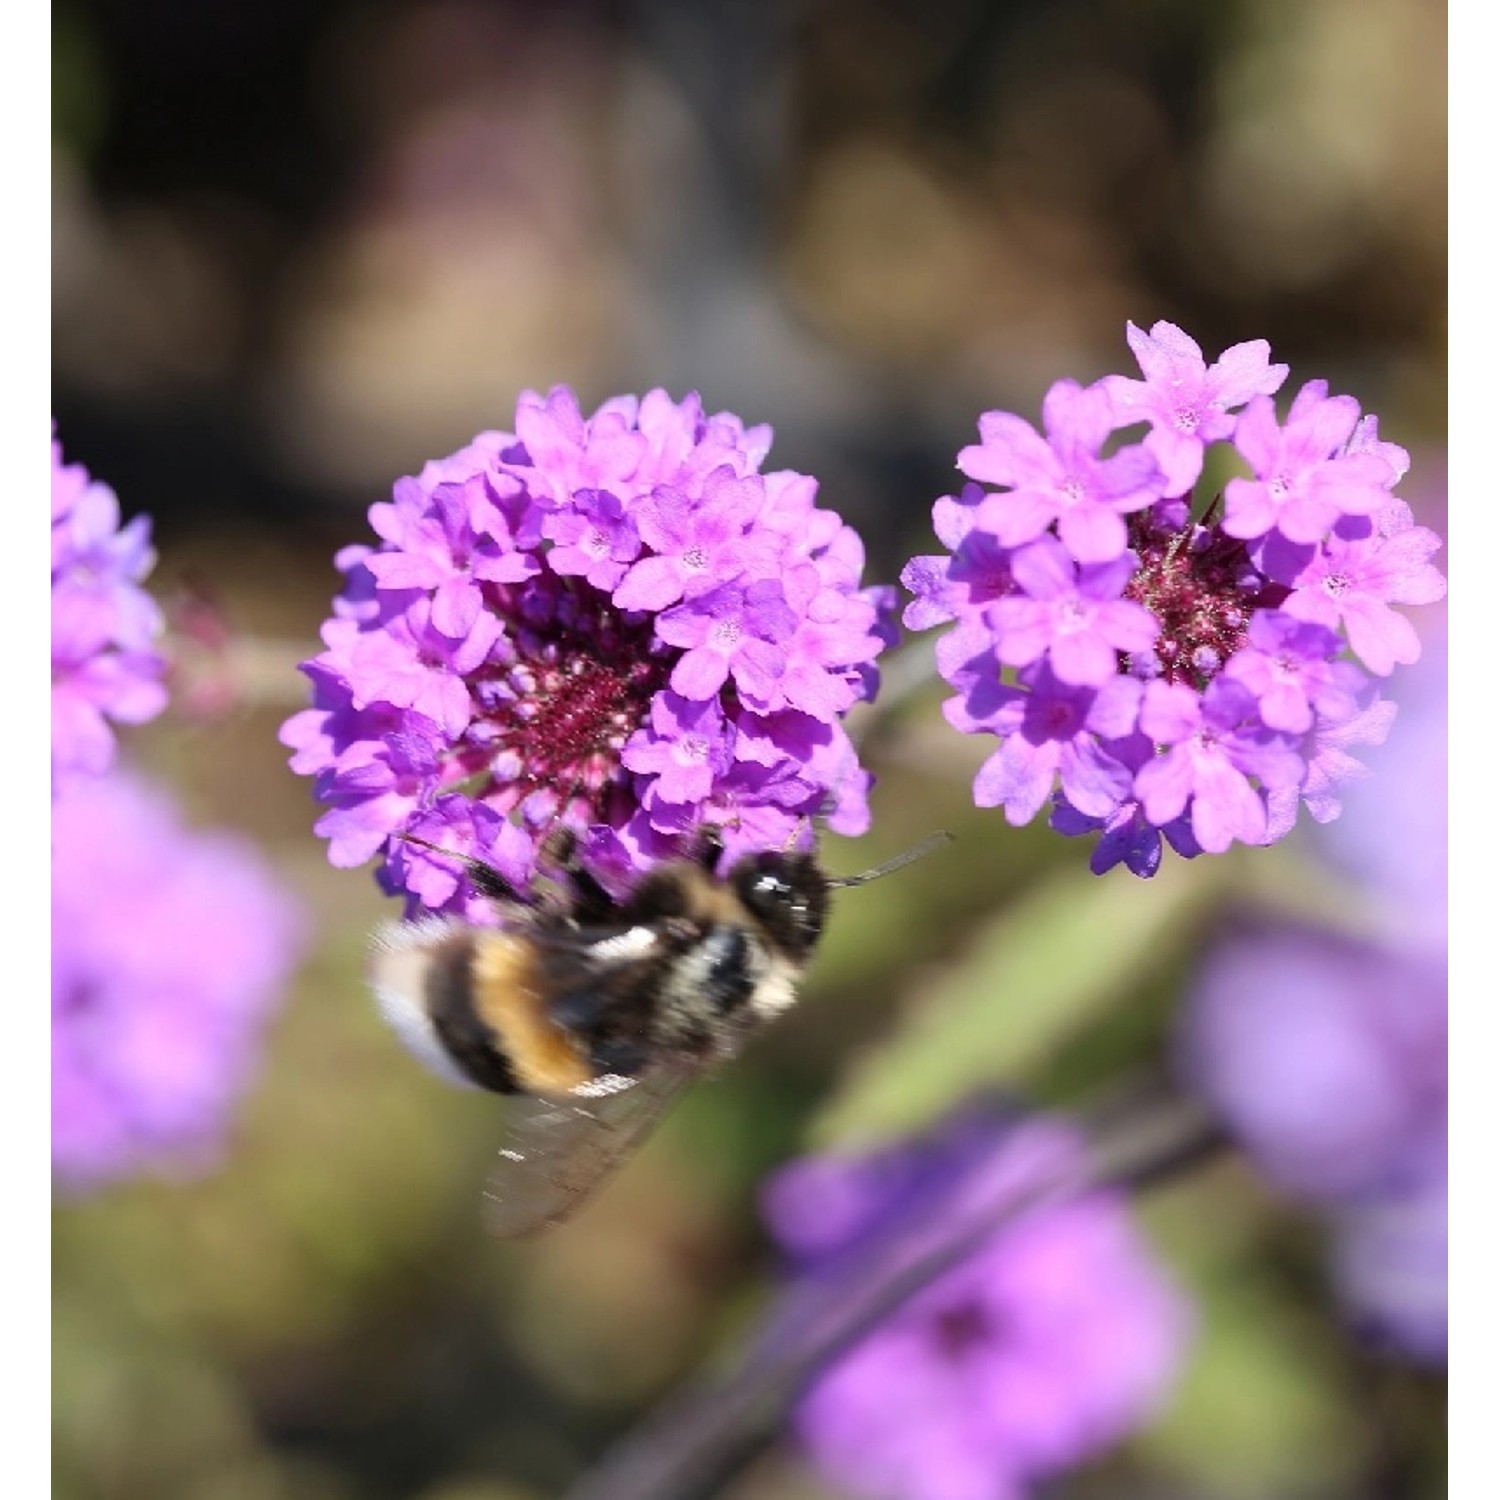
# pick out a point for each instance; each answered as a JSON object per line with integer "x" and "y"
{"x": 617, "y": 622}
{"x": 171, "y": 949}
{"x": 1048, "y": 1345}
{"x": 105, "y": 665}
{"x": 1256, "y": 626}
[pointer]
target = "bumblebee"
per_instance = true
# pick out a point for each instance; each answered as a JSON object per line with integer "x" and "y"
{"x": 594, "y": 1013}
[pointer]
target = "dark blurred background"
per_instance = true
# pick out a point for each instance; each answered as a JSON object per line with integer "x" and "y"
{"x": 300, "y": 248}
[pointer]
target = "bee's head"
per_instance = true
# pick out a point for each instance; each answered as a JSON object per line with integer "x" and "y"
{"x": 788, "y": 895}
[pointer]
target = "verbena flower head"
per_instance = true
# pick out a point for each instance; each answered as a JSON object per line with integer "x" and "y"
{"x": 170, "y": 950}
{"x": 105, "y": 666}
{"x": 1156, "y": 667}
{"x": 616, "y": 622}
{"x": 1050, "y": 1344}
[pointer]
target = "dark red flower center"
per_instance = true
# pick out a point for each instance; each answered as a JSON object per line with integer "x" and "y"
{"x": 1202, "y": 588}
{"x": 554, "y": 718}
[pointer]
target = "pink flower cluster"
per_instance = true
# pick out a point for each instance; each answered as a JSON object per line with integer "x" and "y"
{"x": 172, "y": 950}
{"x": 170, "y": 947}
{"x": 105, "y": 664}
{"x": 614, "y": 621}
{"x": 1153, "y": 668}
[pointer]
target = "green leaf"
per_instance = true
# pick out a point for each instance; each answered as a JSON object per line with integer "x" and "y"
{"x": 1265, "y": 1404}
{"x": 1049, "y": 965}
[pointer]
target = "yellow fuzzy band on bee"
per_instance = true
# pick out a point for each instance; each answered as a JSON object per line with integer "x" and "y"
{"x": 507, "y": 999}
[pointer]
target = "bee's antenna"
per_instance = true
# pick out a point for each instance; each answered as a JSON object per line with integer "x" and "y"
{"x": 917, "y": 851}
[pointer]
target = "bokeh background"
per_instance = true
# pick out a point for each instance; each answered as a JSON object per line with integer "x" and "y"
{"x": 300, "y": 248}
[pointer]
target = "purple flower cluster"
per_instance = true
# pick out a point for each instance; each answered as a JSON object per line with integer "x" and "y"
{"x": 1155, "y": 672}
{"x": 105, "y": 665}
{"x": 617, "y": 622}
{"x": 1327, "y": 1056}
{"x": 1327, "y": 1053}
{"x": 1050, "y": 1344}
{"x": 169, "y": 951}
{"x": 168, "y": 948}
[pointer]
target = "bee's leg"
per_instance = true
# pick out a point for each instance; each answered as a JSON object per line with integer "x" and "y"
{"x": 620, "y": 1056}
{"x": 592, "y": 904}
{"x": 559, "y": 849}
{"x": 490, "y": 883}
{"x": 586, "y": 1013}
{"x": 485, "y": 878}
{"x": 708, "y": 846}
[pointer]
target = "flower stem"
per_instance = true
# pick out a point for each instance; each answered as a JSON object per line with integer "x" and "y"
{"x": 713, "y": 1428}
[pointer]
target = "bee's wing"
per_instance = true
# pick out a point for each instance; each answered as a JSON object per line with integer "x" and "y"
{"x": 559, "y": 1151}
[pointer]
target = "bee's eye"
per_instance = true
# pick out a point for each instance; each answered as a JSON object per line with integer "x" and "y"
{"x": 766, "y": 891}
{"x": 769, "y": 890}
{"x": 787, "y": 895}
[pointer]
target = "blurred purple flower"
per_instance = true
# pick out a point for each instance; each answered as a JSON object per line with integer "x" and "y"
{"x": 1281, "y": 578}
{"x": 1393, "y": 837}
{"x": 170, "y": 952}
{"x": 1040, "y": 1351}
{"x": 1390, "y": 1256}
{"x": 1327, "y": 1057}
{"x": 1327, "y": 1054}
{"x": 105, "y": 666}
{"x": 614, "y": 621}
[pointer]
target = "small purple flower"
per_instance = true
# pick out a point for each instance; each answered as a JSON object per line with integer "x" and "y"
{"x": 1188, "y": 403}
{"x": 1306, "y": 479}
{"x": 1214, "y": 744}
{"x": 375, "y": 787}
{"x": 171, "y": 950}
{"x": 1055, "y": 729}
{"x": 1330, "y": 767}
{"x": 1061, "y": 478}
{"x": 695, "y": 548}
{"x": 1287, "y": 666}
{"x": 1071, "y": 614}
{"x": 1237, "y": 616}
{"x": 977, "y": 573}
{"x": 1126, "y": 835}
{"x": 105, "y": 665}
{"x": 597, "y": 541}
{"x": 688, "y": 746}
{"x": 1352, "y": 581}
{"x": 1052, "y": 1342}
{"x": 734, "y": 631}
{"x": 615, "y": 621}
